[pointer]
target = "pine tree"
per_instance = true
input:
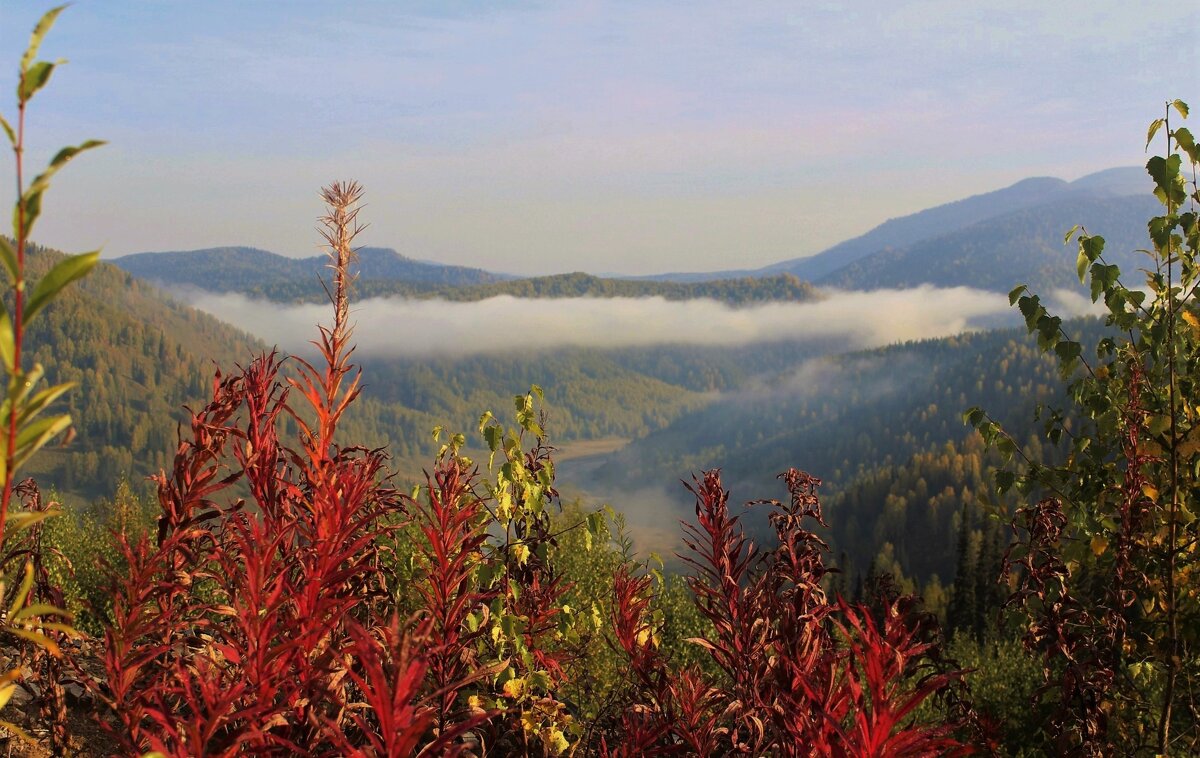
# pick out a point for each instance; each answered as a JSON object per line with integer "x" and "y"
{"x": 987, "y": 572}
{"x": 963, "y": 611}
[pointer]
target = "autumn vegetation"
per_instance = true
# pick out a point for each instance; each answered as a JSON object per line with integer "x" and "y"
{"x": 286, "y": 594}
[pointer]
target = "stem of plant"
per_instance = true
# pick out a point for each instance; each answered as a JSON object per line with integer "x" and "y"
{"x": 1172, "y": 641}
{"x": 14, "y": 376}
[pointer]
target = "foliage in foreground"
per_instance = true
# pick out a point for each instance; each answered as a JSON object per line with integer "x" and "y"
{"x": 1107, "y": 562}
{"x": 797, "y": 673}
{"x": 269, "y": 625}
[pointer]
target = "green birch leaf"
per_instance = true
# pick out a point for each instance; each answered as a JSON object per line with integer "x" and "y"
{"x": 1181, "y": 107}
{"x": 8, "y": 256}
{"x": 8, "y": 130}
{"x": 67, "y": 271}
{"x": 42, "y": 399}
{"x": 7, "y": 349}
{"x": 1068, "y": 351}
{"x": 34, "y": 79}
{"x": 1155, "y": 125}
{"x": 61, "y": 158}
{"x": 39, "y": 33}
{"x": 1187, "y": 143}
{"x": 34, "y": 436}
{"x": 973, "y": 416}
{"x": 1091, "y": 246}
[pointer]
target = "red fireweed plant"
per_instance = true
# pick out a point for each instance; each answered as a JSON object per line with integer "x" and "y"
{"x": 799, "y": 674}
{"x": 259, "y": 624}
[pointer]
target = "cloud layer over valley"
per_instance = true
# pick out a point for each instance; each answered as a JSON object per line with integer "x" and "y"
{"x": 411, "y": 327}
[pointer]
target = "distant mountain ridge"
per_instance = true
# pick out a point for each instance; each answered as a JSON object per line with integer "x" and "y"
{"x": 385, "y": 273}
{"x": 224, "y": 269}
{"x": 1023, "y": 246}
{"x": 990, "y": 241}
{"x": 960, "y": 214}
{"x": 905, "y": 231}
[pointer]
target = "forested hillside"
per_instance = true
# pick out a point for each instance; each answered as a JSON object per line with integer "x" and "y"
{"x": 882, "y": 428}
{"x": 842, "y": 416}
{"x": 465, "y": 517}
{"x": 932, "y": 222}
{"x": 143, "y": 356}
{"x": 745, "y": 290}
{"x": 138, "y": 358}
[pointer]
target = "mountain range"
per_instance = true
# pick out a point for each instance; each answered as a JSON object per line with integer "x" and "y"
{"x": 988, "y": 241}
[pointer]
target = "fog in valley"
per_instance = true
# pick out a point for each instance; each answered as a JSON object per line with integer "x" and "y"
{"x": 419, "y": 327}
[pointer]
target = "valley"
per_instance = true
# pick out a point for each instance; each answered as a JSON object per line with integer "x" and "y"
{"x": 633, "y": 420}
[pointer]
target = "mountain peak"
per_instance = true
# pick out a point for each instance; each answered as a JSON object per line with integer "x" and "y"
{"x": 1122, "y": 180}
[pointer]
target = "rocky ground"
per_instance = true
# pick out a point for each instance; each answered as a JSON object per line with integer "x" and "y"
{"x": 79, "y": 684}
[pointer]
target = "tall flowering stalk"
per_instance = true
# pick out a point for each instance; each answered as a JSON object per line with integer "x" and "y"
{"x": 239, "y": 630}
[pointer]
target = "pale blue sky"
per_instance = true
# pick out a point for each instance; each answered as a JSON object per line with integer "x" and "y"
{"x": 606, "y": 136}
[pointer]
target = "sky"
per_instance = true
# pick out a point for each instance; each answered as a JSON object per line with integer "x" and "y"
{"x": 611, "y": 137}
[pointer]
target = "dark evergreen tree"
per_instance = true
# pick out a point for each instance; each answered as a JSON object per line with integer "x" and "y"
{"x": 963, "y": 611}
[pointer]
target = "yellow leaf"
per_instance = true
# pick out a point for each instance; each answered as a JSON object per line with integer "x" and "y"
{"x": 528, "y": 721}
{"x": 514, "y": 687}
{"x": 521, "y": 551}
{"x": 1193, "y": 322}
{"x": 556, "y": 741}
{"x": 1099, "y": 545}
{"x": 1151, "y": 492}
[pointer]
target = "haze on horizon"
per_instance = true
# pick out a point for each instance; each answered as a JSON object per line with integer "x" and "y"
{"x": 602, "y": 136}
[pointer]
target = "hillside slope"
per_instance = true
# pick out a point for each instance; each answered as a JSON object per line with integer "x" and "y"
{"x": 138, "y": 357}
{"x": 1022, "y": 246}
